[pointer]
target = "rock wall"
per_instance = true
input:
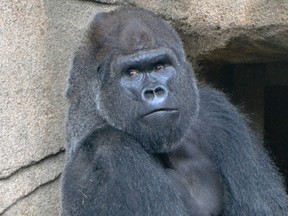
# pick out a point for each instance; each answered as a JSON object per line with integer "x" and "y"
{"x": 37, "y": 40}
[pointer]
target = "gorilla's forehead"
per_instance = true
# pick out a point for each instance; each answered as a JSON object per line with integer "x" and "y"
{"x": 136, "y": 35}
{"x": 131, "y": 30}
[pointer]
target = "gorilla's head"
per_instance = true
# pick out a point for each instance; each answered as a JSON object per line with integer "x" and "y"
{"x": 141, "y": 81}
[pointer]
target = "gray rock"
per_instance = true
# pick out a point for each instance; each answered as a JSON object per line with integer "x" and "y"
{"x": 43, "y": 201}
{"x": 27, "y": 180}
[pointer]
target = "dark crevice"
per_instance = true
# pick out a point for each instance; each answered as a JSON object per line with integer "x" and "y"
{"x": 35, "y": 190}
{"x": 61, "y": 150}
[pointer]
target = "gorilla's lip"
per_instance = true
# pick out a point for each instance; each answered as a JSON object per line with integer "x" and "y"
{"x": 161, "y": 110}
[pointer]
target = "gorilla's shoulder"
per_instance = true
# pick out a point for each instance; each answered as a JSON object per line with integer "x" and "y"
{"x": 216, "y": 108}
{"x": 212, "y": 98}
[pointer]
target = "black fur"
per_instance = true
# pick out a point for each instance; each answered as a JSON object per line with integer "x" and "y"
{"x": 203, "y": 160}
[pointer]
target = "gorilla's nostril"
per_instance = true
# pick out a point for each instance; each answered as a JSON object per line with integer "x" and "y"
{"x": 149, "y": 94}
{"x": 159, "y": 91}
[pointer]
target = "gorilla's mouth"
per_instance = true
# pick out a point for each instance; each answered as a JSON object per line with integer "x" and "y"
{"x": 162, "y": 111}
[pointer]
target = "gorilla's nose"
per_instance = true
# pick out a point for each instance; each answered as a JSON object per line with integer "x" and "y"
{"x": 154, "y": 95}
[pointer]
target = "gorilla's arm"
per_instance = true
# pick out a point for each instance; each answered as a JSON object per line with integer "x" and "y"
{"x": 111, "y": 174}
{"x": 252, "y": 185}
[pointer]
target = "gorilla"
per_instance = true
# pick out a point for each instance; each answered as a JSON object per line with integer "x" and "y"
{"x": 144, "y": 138}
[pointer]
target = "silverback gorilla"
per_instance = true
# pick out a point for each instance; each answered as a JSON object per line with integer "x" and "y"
{"x": 145, "y": 139}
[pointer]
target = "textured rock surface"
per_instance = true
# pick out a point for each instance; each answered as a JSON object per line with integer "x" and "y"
{"x": 25, "y": 117}
{"x": 29, "y": 179}
{"x": 43, "y": 201}
{"x": 37, "y": 39}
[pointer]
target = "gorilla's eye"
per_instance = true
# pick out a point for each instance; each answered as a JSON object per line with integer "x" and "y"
{"x": 159, "y": 67}
{"x": 133, "y": 72}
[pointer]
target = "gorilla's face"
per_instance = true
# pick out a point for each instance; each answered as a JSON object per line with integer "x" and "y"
{"x": 151, "y": 96}
{"x": 146, "y": 88}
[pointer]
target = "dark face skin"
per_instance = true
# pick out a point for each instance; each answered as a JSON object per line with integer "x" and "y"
{"x": 146, "y": 84}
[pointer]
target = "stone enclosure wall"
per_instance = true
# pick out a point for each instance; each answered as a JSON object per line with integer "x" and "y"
{"x": 37, "y": 40}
